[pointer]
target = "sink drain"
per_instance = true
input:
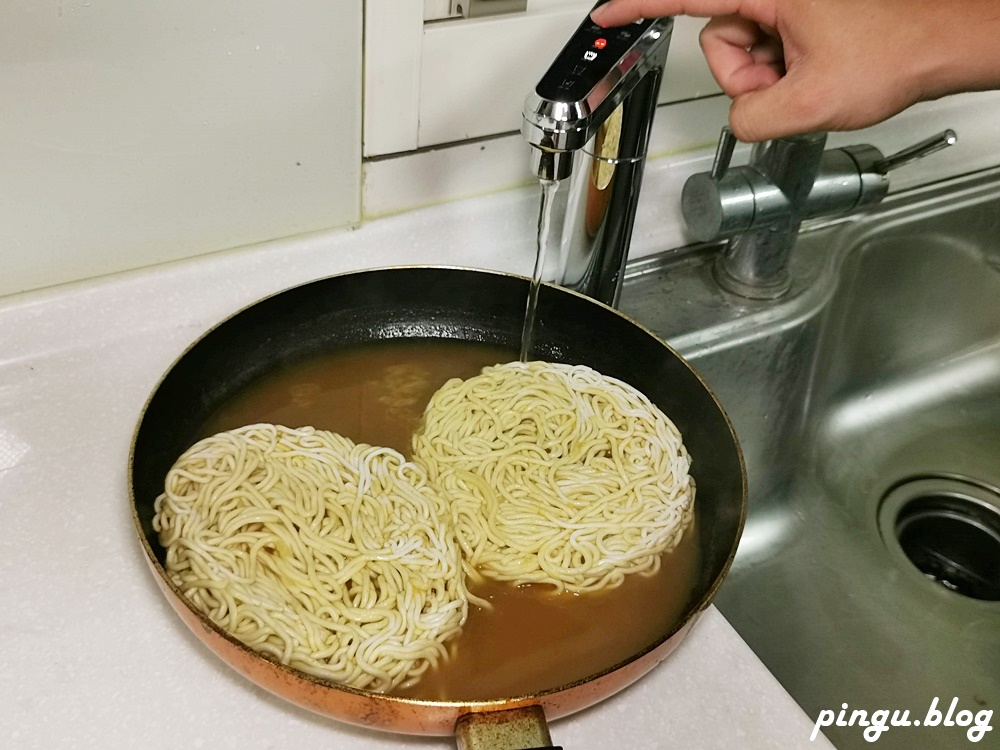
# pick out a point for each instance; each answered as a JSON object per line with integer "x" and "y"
{"x": 949, "y": 529}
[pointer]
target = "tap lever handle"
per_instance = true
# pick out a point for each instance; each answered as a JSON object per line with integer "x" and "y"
{"x": 723, "y": 154}
{"x": 918, "y": 151}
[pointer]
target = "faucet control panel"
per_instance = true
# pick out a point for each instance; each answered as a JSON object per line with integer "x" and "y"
{"x": 596, "y": 71}
{"x": 590, "y": 55}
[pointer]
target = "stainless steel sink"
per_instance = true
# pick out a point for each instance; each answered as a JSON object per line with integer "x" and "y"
{"x": 867, "y": 402}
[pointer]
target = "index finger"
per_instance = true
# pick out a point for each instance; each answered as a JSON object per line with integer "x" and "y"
{"x": 621, "y": 12}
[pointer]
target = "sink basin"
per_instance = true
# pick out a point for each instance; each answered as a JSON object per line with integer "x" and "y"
{"x": 867, "y": 402}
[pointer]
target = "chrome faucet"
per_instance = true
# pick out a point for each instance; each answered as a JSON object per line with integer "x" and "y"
{"x": 588, "y": 121}
{"x": 760, "y": 207}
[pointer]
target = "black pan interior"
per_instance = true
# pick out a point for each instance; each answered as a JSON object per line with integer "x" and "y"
{"x": 441, "y": 303}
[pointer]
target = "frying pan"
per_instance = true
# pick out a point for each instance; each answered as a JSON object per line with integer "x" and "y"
{"x": 414, "y": 304}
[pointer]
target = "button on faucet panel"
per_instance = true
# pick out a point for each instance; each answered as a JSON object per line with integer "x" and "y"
{"x": 588, "y": 57}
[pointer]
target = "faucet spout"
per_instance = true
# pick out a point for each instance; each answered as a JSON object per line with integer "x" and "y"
{"x": 588, "y": 121}
{"x": 550, "y": 165}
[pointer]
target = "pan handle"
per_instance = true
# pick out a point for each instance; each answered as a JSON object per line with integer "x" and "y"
{"x": 511, "y": 729}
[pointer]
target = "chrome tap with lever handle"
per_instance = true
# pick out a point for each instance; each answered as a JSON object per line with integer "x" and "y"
{"x": 761, "y": 206}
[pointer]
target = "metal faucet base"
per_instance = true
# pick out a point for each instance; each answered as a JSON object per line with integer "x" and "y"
{"x": 755, "y": 290}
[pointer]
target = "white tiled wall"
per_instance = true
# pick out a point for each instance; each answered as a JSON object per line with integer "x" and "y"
{"x": 682, "y": 143}
{"x": 443, "y": 107}
{"x": 133, "y": 133}
{"x": 443, "y": 110}
{"x": 138, "y": 132}
{"x": 430, "y": 84}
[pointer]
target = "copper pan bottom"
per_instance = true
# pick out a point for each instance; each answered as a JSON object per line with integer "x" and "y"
{"x": 404, "y": 715}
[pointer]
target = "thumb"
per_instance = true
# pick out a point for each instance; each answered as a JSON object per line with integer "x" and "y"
{"x": 787, "y": 107}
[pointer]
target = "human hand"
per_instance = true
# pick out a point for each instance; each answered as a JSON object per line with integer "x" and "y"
{"x": 796, "y": 66}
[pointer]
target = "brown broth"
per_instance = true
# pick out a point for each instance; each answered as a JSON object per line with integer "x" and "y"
{"x": 532, "y": 639}
{"x": 535, "y": 640}
{"x": 371, "y": 394}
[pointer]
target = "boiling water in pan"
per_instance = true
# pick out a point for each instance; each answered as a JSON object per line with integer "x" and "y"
{"x": 532, "y": 640}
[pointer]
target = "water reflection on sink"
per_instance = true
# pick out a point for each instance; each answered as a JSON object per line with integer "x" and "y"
{"x": 868, "y": 406}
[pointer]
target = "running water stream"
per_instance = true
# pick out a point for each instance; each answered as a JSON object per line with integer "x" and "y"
{"x": 549, "y": 188}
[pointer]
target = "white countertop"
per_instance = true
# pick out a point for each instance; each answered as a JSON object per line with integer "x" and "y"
{"x": 92, "y": 654}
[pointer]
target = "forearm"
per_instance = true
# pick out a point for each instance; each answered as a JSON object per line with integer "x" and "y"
{"x": 964, "y": 45}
